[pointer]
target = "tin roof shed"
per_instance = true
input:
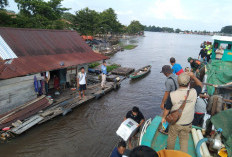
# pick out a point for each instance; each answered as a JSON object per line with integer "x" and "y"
{"x": 28, "y": 51}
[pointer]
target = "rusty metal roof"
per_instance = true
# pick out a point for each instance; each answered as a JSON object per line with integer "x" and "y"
{"x": 43, "y": 50}
{"x": 21, "y": 114}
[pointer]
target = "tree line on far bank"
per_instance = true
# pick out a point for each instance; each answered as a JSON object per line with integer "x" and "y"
{"x": 50, "y": 14}
{"x": 226, "y": 30}
{"x": 169, "y": 30}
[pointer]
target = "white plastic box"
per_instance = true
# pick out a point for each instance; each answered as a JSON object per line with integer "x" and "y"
{"x": 127, "y": 129}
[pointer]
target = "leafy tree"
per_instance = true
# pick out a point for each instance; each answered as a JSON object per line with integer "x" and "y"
{"x": 52, "y": 9}
{"x": 87, "y": 21}
{"x": 135, "y": 27}
{"x": 68, "y": 16}
{"x": 39, "y": 13}
{"x": 109, "y": 22}
{"x": 3, "y": 3}
{"x": 227, "y": 29}
{"x": 6, "y": 20}
{"x": 177, "y": 30}
{"x": 90, "y": 22}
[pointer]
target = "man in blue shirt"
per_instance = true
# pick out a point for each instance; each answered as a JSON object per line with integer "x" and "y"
{"x": 104, "y": 73}
{"x": 177, "y": 69}
{"x": 119, "y": 151}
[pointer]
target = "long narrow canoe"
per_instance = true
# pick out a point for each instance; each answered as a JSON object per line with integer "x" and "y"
{"x": 141, "y": 72}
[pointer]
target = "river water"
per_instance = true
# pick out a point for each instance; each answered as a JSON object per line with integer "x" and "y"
{"x": 89, "y": 131}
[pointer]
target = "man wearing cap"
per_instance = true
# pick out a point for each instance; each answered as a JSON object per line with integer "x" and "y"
{"x": 170, "y": 83}
{"x": 195, "y": 64}
{"x": 183, "y": 126}
{"x": 198, "y": 67}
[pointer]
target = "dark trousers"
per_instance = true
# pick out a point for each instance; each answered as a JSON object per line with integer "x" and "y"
{"x": 208, "y": 57}
{"x": 198, "y": 119}
{"x": 46, "y": 88}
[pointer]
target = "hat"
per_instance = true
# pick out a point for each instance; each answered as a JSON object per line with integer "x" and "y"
{"x": 183, "y": 79}
{"x": 166, "y": 69}
{"x": 189, "y": 59}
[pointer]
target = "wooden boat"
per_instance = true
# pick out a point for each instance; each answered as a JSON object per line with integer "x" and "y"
{"x": 141, "y": 72}
{"x": 151, "y": 137}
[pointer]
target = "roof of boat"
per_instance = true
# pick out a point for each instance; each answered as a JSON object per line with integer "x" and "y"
{"x": 222, "y": 38}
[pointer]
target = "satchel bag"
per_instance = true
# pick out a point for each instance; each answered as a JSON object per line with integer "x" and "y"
{"x": 175, "y": 115}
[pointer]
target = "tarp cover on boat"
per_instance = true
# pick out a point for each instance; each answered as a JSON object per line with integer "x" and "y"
{"x": 218, "y": 73}
{"x": 223, "y": 120}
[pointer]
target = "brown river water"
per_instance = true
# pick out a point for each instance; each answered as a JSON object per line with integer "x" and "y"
{"x": 89, "y": 130}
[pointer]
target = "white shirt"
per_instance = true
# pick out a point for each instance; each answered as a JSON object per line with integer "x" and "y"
{"x": 82, "y": 77}
{"x": 218, "y": 53}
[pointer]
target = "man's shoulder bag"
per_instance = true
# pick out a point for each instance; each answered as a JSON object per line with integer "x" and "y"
{"x": 175, "y": 115}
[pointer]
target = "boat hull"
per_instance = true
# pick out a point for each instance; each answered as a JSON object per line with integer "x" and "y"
{"x": 158, "y": 141}
{"x": 133, "y": 76}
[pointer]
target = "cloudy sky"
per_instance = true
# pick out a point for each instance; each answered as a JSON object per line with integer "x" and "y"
{"x": 209, "y": 15}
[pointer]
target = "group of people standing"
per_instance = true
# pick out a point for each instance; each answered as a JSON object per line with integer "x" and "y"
{"x": 82, "y": 79}
{"x": 177, "y": 91}
{"x": 206, "y": 52}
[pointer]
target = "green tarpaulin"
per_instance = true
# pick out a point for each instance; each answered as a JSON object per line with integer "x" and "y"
{"x": 224, "y": 120}
{"x": 218, "y": 73}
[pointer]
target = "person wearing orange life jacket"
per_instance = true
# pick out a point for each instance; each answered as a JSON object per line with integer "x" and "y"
{"x": 195, "y": 64}
{"x": 197, "y": 67}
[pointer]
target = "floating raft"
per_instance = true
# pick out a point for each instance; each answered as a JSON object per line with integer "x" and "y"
{"x": 40, "y": 110}
{"x": 124, "y": 71}
{"x": 27, "y": 124}
{"x": 64, "y": 106}
{"x": 113, "y": 78}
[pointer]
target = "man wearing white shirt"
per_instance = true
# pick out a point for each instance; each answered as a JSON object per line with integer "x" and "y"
{"x": 219, "y": 53}
{"x": 81, "y": 82}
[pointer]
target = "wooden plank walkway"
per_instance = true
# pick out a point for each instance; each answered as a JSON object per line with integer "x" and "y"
{"x": 63, "y": 104}
{"x": 66, "y": 103}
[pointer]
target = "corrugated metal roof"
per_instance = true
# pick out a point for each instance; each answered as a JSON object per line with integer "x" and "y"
{"x": 43, "y": 50}
{"x": 34, "y": 42}
{"x": 5, "y": 50}
{"x": 24, "y": 113}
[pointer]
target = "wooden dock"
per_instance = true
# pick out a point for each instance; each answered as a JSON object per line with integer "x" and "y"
{"x": 62, "y": 105}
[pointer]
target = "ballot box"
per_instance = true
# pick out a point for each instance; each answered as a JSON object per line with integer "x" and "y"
{"x": 127, "y": 129}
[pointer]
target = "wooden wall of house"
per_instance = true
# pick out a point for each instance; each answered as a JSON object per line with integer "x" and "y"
{"x": 16, "y": 91}
{"x": 72, "y": 73}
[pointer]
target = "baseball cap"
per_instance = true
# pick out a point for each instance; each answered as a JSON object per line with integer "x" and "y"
{"x": 166, "y": 69}
{"x": 183, "y": 79}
